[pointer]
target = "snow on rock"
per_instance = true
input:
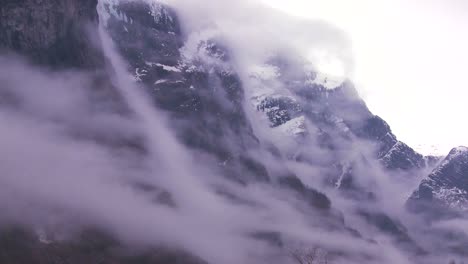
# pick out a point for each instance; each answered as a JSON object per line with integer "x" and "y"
{"x": 345, "y": 168}
{"x": 165, "y": 67}
{"x": 160, "y": 81}
{"x": 140, "y": 73}
{"x": 160, "y": 12}
{"x": 458, "y": 151}
{"x": 111, "y": 10}
{"x": 264, "y": 72}
{"x": 326, "y": 81}
{"x": 202, "y": 52}
{"x": 294, "y": 127}
{"x": 278, "y": 108}
{"x": 448, "y": 182}
{"x": 168, "y": 68}
{"x": 454, "y": 197}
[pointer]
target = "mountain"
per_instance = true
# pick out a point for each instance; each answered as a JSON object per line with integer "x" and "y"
{"x": 205, "y": 101}
{"x": 335, "y": 112}
{"x": 51, "y": 33}
{"x": 306, "y": 138}
{"x": 445, "y": 190}
{"x": 194, "y": 80}
{"x": 203, "y": 88}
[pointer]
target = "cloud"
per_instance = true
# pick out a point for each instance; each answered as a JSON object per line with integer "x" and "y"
{"x": 56, "y": 171}
{"x": 255, "y": 31}
{"x": 78, "y": 155}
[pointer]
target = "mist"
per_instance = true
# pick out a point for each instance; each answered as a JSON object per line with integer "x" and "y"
{"x": 73, "y": 156}
{"x": 56, "y": 177}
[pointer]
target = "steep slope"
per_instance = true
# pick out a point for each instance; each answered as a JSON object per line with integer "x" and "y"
{"x": 20, "y": 246}
{"x": 335, "y": 109}
{"x": 312, "y": 120}
{"x": 445, "y": 190}
{"x": 52, "y": 33}
{"x": 60, "y": 38}
{"x": 202, "y": 93}
{"x": 193, "y": 79}
{"x": 316, "y": 112}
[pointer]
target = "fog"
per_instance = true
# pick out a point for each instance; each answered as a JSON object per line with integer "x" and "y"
{"x": 74, "y": 156}
{"x": 53, "y": 176}
{"x": 397, "y": 44}
{"x": 256, "y": 31}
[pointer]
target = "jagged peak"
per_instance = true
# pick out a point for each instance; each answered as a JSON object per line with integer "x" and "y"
{"x": 454, "y": 154}
{"x": 458, "y": 151}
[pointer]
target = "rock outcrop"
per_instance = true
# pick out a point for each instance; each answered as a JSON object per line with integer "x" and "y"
{"x": 444, "y": 192}
{"x": 193, "y": 79}
{"x": 53, "y": 33}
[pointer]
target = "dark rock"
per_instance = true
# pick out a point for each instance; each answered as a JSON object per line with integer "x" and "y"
{"x": 310, "y": 195}
{"x": 53, "y": 33}
{"x": 392, "y": 227}
{"x": 272, "y": 238}
{"x": 205, "y": 101}
{"x": 21, "y": 246}
{"x": 280, "y": 109}
{"x": 444, "y": 193}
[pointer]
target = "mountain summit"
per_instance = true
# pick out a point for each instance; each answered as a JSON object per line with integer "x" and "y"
{"x": 446, "y": 187}
{"x": 154, "y": 142}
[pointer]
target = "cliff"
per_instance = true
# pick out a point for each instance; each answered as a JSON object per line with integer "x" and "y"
{"x": 55, "y": 33}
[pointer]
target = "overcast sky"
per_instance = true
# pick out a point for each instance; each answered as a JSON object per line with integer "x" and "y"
{"x": 411, "y": 62}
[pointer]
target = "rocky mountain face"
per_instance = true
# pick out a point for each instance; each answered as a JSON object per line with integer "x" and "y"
{"x": 194, "y": 80}
{"x": 336, "y": 111}
{"x": 51, "y": 33}
{"x": 444, "y": 192}
{"x": 205, "y": 100}
{"x": 206, "y": 95}
{"x": 19, "y": 246}
{"x": 58, "y": 35}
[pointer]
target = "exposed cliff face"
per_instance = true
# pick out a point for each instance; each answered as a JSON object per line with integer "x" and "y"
{"x": 194, "y": 81}
{"x": 19, "y": 246}
{"x": 444, "y": 192}
{"x": 55, "y": 33}
{"x": 61, "y": 35}
{"x": 329, "y": 115}
{"x": 205, "y": 101}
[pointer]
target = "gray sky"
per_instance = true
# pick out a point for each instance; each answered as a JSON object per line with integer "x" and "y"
{"x": 411, "y": 62}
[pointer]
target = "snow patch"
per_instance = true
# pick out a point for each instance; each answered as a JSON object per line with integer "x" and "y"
{"x": 344, "y": 170}
{"x": 160, "y": 81}
{"x": 294, "y": 127}
{"x": 454, "y": 197}
{"x": 264, "y": 72}
{"x": 326, "y": 81}
{"x": 459, "y": 150}
{"x": 454, "y": 153}
{"x": 159, "y": 13}
{"x": 140, "y": 73}
{"x": 165, "y": 67}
